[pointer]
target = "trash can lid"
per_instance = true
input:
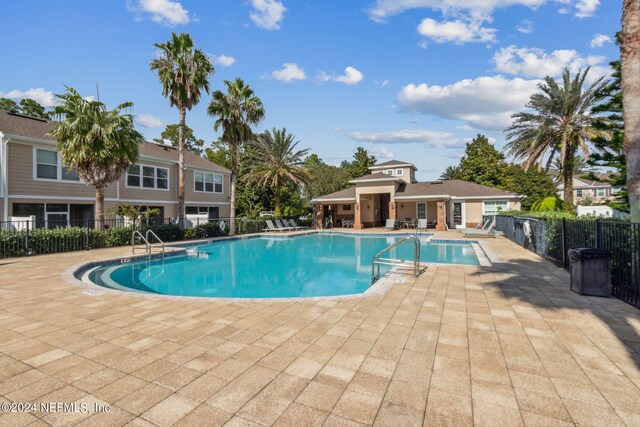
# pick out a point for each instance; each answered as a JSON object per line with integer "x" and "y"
{"x": 585, "y": 252}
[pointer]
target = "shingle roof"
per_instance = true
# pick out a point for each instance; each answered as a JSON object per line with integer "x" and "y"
{"x": 452, "y": 187}
{"x": 347, "y": 193}
{"x": 376, "y": 176}
{"x": 392, "y": 163}
{"x": 31, "y": 127}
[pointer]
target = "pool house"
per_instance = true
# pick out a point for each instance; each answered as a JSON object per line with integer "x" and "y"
{"x": 391, "y": 191}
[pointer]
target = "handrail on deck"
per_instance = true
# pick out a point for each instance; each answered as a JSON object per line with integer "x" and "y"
{"x": 388, "y": 261}
{"x": 156, "y": 237}
{"x": 135, "y": 233}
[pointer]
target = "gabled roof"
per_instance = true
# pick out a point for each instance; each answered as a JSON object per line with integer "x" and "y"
{"x": 376, "y": 176}
{"x": 19, "y": 125}
{"x": 392, "y": 163}
{"x": 451, "y": 187}
{"x": 346, "y": 195}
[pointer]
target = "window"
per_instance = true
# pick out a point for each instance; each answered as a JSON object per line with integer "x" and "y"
{"x": 49, "y": 166}
{"x": 600, "y": 192}
{"x": 390, "y": 172}
{"x": 148, "y": 177}
{"x": 213, "y": 212}
{"x": 399, "y": 172}
{"x": 578, "y": 193}
{"x": 494, "y": 207}
{"x": 422, "y": 210}
{"x": 346, "y": 207}
{"x": 207, "y": 182}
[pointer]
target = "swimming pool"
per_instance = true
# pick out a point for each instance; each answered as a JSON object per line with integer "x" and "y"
{"x": 273, "y": 267}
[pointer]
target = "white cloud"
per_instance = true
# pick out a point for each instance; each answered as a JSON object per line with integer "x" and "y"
{"x": 41, "y": 96}
{"x": 224, "y": 60}
{"x": 149, "y": 121}
{"x": 165, "y": 12}
{"x": 599, "y": 40}
{"x": 384, "y": 83}
{"x": 350, "y": 77}
{"x": 533, "y": 62}
{"x": 382, "y": 152}
{"x": 586, "y": 8}
{"x": 434, "y": 139}
{"x": 289, "y": 72}
{"x": 458, "y": 32}
{"x": 267, "y": 14}
{"x": 483, "y": 103}
{"x": 525, "y": 27}
{"x": 423, "y": 44}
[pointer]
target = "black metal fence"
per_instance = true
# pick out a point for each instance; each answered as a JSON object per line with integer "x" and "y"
{"x": 25, "y": 238}
{"x": 551, "y": 238}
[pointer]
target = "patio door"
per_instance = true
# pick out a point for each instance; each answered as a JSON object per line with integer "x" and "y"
{"x": 457, "y": 215}
{"x": 422, "y": 210}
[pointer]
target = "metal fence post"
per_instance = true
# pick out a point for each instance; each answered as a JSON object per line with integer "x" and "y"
{"x": 26, "y": 243}
{"x": 598, "y": 235}
{"x": 564, "y": 242}
{"x": 86, "y": 234}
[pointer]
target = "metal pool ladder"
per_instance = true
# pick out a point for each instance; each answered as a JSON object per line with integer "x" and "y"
{"x": 146, "y": 240}
{"x": 377, "y": 261}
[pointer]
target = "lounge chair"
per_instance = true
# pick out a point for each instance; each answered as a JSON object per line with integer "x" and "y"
{"x": 290, "y": 224}
{"x": 301, "y": 227}
{"x": 488, "y": 223}
{"x": 282, "y": 227}
{"x": 390, "y": 225}
{"x": 270, "y": 226}
{"x": 477, "y": 232}
{"x": 422, "y": 224}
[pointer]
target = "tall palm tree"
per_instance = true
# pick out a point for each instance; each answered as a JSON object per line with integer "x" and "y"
{"x": 630, "y": 63}
{"x": 560, "y": 122}
{"x": 100, "y": 144}
{"x": 274, "y": 162}
{"x": 235, "y": 112}
{"x": 183, "y": 72}
{"x": 451, "y": 172}
{"x": 580, "y": 167}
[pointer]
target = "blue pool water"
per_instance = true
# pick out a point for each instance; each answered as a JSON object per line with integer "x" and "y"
{"x": 273, "y": 267}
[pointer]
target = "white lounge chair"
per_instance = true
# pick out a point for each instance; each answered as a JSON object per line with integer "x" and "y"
{"x": 488, "y": 223}
{"x": 422, "y": 224}
{"x": 390, "y": 225}
{"x": 477, "y": 232}
{"x": 290, "y": 224}
{"x": 270, "y": 226}
{"x": 282, "y": 227}
{"x": 301, "y": 227}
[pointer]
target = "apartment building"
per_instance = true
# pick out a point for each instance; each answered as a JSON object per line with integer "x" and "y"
{"x": 35, "y": 181}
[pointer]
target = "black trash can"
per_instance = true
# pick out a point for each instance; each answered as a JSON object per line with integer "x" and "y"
{"x": 590, "y": 271}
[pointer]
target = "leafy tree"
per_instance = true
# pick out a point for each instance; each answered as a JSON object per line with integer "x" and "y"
{"x": 191, "y": 143}
{"x": 482, "y": 163}
{"x": 326, "y": 179}
{"x": 219, "y": 154}
{"x": 531, "y": 183}
{"x": 630, "y": 70}
{"x": 560, "y": 122}
{"x": 183, "y": 72}
{"x": 361, "y": 163}
{"x": 451, "y": 172}
{"x": 609, "y": 147}
{"x": 275, "y": 162}
{"x": 32, "y": 108}
{"x": 100, "y": 144}
{"x": 9, "y": 105}
{"x": 235, "y": 112}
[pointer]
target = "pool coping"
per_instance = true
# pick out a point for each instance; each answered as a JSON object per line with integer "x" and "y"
{"x": 76, "y": 274}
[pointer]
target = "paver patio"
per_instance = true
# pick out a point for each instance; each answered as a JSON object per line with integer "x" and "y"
{"x": 502, "y": 345}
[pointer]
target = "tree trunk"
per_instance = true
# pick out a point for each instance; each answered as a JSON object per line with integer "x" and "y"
{"x": 232, "y": 204}
{"x": 181, "y": 165}
{"x": 99, "y": 210}
{"x": 567, "y": 176}
{"x": 630, "y": 63}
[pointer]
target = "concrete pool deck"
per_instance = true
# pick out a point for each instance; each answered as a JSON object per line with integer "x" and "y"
{"x": 460, "y": 345}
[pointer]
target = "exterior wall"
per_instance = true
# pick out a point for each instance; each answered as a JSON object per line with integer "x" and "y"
{"x": 406, "y": 209}
{"x": 192, "y": 196}
{"x": 473, "y": 210}
{"x": 142, "y": 195}
{"x": 369, "y": 206}
{"x": 407, "y": 173}
{"x": 375, "y": 188}
{"x": 342, "y": 211}
{"x": 21, "y": 178}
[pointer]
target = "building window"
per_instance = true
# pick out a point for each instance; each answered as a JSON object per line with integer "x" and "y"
{"x": 578, "y": 193}
{"x": 600, "y": 192}
{"x": 390, "y": 172}
{"x": 399, "y": 172}
{"x": 213, "y": 212}
{"x": 148, "y": 177}
{"x": 49, "y": 166}
{"x": 207, "y": 182}
{"x": 493, "y": 207}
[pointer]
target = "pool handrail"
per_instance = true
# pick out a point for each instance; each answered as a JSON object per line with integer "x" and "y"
{"x": 396, "y": 262}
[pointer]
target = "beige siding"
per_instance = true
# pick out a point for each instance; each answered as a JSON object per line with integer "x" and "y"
{"x": 374, "y": 188}
{"x": 193, "y": 196}
{"x": 21, "y": 182}
{"x": 342, "y": 211}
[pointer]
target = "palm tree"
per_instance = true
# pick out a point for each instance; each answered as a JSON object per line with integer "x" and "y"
{"x": 451, "y": 172}
{"x": 560, "y": 122}
{"x": 580, "y": 167}
{"x": 100, "y": 144}
{"x": 274, "y": 163}
{"x": 183, "y": 73}
{"x": 235, "y": 112}
{"x": 630, "y": 62}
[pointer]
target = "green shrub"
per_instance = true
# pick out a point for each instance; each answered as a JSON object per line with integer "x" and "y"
{"x": 548, "y": 204}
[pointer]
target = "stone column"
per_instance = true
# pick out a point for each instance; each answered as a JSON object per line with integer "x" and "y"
{"x": 357, "y": 218}
{"x": 393, "y": 213}
{"x": 440, "y": 226}
{"x": 318, "y": 220}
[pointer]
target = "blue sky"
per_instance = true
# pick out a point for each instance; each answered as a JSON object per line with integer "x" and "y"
{"x": 406, "y": 79}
